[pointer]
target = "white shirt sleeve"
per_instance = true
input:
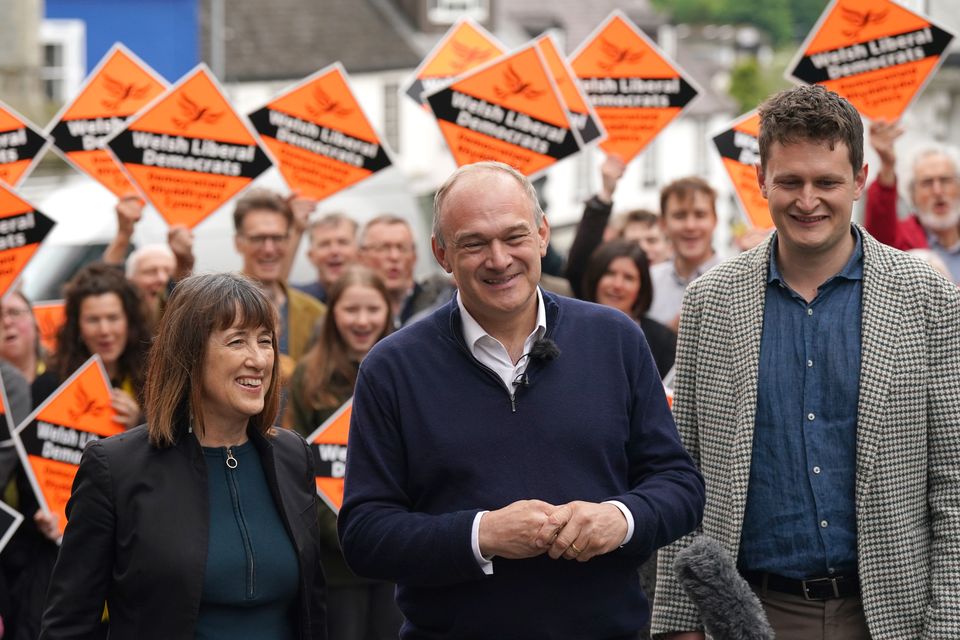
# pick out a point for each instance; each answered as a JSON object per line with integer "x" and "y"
{"x": 486, "y": 564}
{"x": 626, "y": 514}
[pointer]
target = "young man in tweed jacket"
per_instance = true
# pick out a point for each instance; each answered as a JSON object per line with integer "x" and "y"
{"x": 817, "y": 388}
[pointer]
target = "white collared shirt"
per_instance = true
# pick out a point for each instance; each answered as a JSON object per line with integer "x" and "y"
{"x": 491, "y": 353}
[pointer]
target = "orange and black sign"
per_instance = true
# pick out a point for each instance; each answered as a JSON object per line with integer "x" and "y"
{"x": 189, "y": 151}
{"x": 319, "y": 135}
{"x": 329, "y": 444}
{"x": 50, "y": 316}
{"x": 117, "y": 88}
{"x": 22, "y": 229}
{"x": 634, "y": 87}
{"x": 585, "y": 120}
{"x": 875, "y": 53}
{"x": 739, "y": 149}
{"x": 508, "y": 110}
{"x": 21, "y": 146}
{"x": 10, "y": 519}
{"x": 51, "y": 440}
{"x": 465, "y": 46}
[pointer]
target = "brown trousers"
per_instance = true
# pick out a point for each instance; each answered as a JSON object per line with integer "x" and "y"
{"x": 795, "y": 618}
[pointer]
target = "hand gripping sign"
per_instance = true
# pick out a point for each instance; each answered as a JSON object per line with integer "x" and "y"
{"x": 21, "y": 146}
{"x": 329, "y": 444}
{"x": 50, "y": 440}
{"x": 875, "y": 53}
{"x": 117, "y": 87}
{"x": 188, "y": 150}
{"x": 739, "y": 150}
{"x": 22, "y": 229}
{"x": 319, "y": 135}
{"x": 635, "y": 88}
{"x": 507, "y": 110}
{"x": 465, "y": 46}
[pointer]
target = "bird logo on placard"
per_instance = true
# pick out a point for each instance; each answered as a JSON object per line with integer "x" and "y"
{"x": 861, "y": 19}
{"x": 85, "y": 406}
{"x": 326, "y": 105}
{"x": 193, "y": 112}
{"x": 516, "y": 86}
{"x": 120, "y": 92}
{"x": 468, "y": 56}
{"x": 617, "y": 55}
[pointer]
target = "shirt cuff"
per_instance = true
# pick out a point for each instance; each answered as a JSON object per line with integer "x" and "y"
{"x": 623, "y": 509}
{"x": 486, "y": 564}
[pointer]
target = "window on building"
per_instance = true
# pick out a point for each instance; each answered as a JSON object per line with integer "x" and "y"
{"x": 391, "y": 114}
{"x": 449, "y": 11}
{"x": 64, "y": 58}
{"x": 649, "y": 165}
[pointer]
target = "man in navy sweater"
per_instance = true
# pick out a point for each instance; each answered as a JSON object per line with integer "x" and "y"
{"x": 512, "y": 459}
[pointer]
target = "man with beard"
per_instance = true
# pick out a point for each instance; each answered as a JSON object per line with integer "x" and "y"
{"x": 934, "y": 191}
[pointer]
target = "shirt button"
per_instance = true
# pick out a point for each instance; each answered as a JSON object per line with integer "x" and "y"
{"x": 816, "y": 470}
{"x": 810, "y": 417}
{"x": 823, "y": 524}
{"x": 809, "y": 311}
{"x": 809, "y": 363}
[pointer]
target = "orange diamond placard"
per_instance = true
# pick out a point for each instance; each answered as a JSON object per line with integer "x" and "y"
{"x": 585, "y": 120}
{"x": 321, "y": 138}
{"x": 22, "y": 229}
{"x": 739, "y": 150}
{"x": 50, "y": 316}
{"x": 329, "y": 443}
{"x": 465, "y": 46}
{"x": 51, "y": 440}
{"x": 21, "y": 146}
{"x": 508, "y": 110}
{"x": 117, "y": 88}
{"x": 188, "y": 151}
{"x": 633, "y": 85}
{"x": 875, "y": 53}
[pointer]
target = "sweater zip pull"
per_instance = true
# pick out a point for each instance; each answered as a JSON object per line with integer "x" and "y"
{"x": 513, "y": 404}
{"x": 231, "y": 461}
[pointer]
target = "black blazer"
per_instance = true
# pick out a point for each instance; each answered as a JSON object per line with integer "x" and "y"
{"x": 137, "y": 529}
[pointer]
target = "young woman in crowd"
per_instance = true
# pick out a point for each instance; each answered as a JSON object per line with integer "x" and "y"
{"x": 618, "y": 276}
{"x": 358, "y": 316}
{"x": 203, "y": 522}
{"x": 104, "y": 315}
{"x": 21, "y": 337}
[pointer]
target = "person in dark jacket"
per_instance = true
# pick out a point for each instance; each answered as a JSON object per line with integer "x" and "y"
{"x": 203, "y": 522}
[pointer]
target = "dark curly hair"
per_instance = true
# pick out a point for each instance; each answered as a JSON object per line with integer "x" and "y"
{"x": 97, "y": 279}
{"x": 600, "y": 261}
{"x": 811, "y": 113}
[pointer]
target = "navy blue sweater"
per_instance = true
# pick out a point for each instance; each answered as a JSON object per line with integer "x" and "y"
{"x": 435, "y": 438}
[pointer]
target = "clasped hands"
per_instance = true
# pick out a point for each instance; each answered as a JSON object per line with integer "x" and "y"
{"x": 576, "y": 531}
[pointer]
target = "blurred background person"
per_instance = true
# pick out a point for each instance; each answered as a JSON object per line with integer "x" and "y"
{"x": 103, "y": 315}
{"x": 208, "y": 454}
{"x": 618, "y": 276}
{"x": 21, "y": 345}
{"x": 934, "y": 195}
{"x": 644, "y": 228}
{"x": 333, "y": 248}
{"x": 358, "y": 317}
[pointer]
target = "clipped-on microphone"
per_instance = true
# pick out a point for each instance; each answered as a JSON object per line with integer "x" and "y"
{"x": 521, "y": 380}
{"x": 544, "y": 349}
{"x": 729, "y": 608}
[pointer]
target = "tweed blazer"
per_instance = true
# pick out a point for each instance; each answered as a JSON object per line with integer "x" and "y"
{"x": 908, "y": 434}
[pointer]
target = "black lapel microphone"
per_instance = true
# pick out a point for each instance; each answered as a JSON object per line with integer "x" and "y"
{"x": 543, "y": 349}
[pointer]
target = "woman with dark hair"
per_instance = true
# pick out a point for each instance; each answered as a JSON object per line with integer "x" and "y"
{"x": 618, "y": 276}
{"x": 203, "y": 522}
{"x": 358, "y": 316}
{"x": 104, "y": 315}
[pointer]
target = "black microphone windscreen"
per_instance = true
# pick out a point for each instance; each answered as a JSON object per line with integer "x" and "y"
{"x": 729, "y": 608}
{"x": 544, "y": 349}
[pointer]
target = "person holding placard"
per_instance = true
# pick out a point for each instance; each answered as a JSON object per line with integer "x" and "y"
{"x": 203, "y": 522}
{"x": 358, "y": 317}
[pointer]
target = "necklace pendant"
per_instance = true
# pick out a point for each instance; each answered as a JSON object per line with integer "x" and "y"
{"x": 231, "y": 461}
